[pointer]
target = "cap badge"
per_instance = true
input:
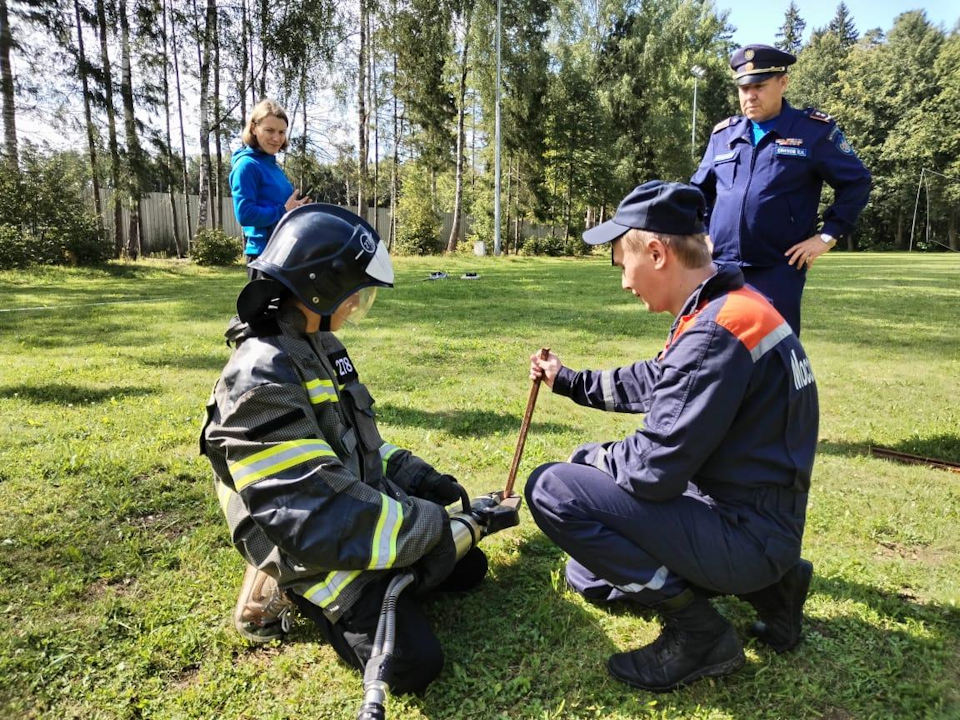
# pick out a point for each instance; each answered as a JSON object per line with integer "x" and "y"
{"x": 747, "y": 67}
{"x": 366, "y": 242}
{"x": 749, "y": 56}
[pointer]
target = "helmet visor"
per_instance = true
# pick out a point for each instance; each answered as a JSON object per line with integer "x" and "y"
{"x": 355, "y": 308}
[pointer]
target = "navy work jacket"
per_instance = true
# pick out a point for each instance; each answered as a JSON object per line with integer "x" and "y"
{"x": 731, "y": 402}
{"x": 763, "y": 200}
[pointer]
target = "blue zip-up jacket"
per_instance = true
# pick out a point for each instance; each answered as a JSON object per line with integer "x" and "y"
{"x": 260, "y": 191}
{"x": 763, "y": 200}
{"x": 731, "y": 403}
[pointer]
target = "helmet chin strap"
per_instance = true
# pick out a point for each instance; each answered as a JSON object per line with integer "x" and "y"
{"x": 325, "y": 322}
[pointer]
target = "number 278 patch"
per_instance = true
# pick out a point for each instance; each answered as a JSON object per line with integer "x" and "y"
{"x": 343, "y": 366}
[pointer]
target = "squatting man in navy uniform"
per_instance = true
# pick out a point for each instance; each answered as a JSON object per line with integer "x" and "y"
{"x": 319, "y": 506}
{"x": 762, "y": 175}
{"x": 709, "y": 496}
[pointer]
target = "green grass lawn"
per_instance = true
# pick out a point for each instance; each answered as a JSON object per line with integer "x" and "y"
{"x": 117, "y": 580}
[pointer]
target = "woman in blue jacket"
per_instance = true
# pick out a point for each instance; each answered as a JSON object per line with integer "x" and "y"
{"x": 261, "y": 192}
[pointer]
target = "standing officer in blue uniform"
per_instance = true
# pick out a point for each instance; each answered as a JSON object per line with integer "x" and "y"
{"x": 762, "y": 175}
{"x": 709, "y": 495}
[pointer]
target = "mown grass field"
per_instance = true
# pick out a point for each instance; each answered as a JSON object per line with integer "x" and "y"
{"x": 117, "y": 580}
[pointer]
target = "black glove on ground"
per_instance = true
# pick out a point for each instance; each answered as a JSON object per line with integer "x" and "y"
{"x": 441, "y": 489}
{"x": 434, "y": 567}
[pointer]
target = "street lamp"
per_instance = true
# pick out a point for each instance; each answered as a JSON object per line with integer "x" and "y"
{"x": 698, "y": 72}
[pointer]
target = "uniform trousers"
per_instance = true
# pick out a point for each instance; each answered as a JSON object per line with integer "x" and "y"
{"x": 783, "y": 285}
{"x": 417, "y": 655}
{"x": 625, "y": 548}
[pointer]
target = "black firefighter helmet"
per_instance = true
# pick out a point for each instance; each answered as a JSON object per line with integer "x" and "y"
{"x": 322, "y": 254}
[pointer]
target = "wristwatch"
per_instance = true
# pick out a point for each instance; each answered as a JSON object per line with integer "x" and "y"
{"x": 827, "y": 239}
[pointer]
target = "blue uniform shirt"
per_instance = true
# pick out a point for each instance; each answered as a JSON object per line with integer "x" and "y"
{"x": 763, "y": 200}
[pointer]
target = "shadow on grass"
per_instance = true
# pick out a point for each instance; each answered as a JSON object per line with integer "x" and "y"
{"x": 71, "y": 394}
{"x": 459, "y": 422}
{"x": 945, "y": 447}
{"x": 213, "y": 361}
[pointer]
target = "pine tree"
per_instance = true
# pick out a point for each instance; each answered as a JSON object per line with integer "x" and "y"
{"x": 842, "y": 26}
{"x": 790, "y": 33}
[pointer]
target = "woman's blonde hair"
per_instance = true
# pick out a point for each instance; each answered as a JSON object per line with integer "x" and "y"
{"x": 262, "y": 110}
{"x": 691, "y": 250}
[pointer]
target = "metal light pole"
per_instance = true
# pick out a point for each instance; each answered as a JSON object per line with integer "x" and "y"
{"x": 496, "y": 162}
{"x": 697, "y": 72}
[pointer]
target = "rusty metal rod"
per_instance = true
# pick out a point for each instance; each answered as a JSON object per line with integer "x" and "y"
{"x": 888, "y": 454}
{"x": 524, "y": 428}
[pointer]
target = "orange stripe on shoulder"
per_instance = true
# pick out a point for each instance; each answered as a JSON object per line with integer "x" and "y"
{"x": 749, "y": 316}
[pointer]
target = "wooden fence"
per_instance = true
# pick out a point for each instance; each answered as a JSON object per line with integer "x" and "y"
{"x": 156, "y": 222}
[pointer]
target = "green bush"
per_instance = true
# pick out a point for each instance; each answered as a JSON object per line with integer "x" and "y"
{"x": 47, "y": 220}
{"x": 214, "y": 247}
{"x": 14, "y": 247}
{"x": 418, "y": 222}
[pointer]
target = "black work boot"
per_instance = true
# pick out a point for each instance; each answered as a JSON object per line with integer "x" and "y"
{"x": 696, "y": 642}
{"x": 780, "y": 607}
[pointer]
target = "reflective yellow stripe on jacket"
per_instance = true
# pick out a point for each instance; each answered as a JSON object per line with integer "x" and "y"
{"x": 321, "y": 391}
{"x": 326, "y": 591}
{"x": 275, "y": 459}
{"x": 384, "y": 551}
{"x": 386, "y": 450}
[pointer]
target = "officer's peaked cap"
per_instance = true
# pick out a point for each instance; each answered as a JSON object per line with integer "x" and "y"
{"x": 322, "y": 254}
{"x": 756, "y": 63}
{"x": 656, "y": 206}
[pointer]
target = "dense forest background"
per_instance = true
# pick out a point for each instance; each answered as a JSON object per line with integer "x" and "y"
{"x": 393, "y": 105}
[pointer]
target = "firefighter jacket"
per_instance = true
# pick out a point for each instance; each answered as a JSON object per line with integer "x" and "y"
{"x": 731, "y": 403}
{"x": 763, "y": 200}
{"x": 312, "y": 494}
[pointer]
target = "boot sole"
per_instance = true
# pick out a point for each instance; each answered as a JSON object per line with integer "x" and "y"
{"x": 260, "y": 639}
{"x": 724, "y": 668}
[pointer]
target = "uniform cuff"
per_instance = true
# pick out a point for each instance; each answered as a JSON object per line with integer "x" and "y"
{"x": 563, "y": 383}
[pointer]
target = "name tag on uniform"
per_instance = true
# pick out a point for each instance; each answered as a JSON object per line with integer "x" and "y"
{"x": 725, "y": 157}
{"x": 790, "y": 151}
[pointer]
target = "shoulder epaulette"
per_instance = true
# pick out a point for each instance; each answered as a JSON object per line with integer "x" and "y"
{"x": 723, "y": 124}
{"x": 818, "y": 115}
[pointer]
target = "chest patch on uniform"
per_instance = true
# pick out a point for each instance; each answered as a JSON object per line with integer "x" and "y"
{"x": 724, "y": 157}
{"x": 788, "y": 151}
{"x": 343, "y": 366}
{"x": 790, "y": 142}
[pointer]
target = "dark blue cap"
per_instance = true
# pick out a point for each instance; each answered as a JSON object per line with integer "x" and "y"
{"x": 756, "y": 63}
{"x": 656, "y": 206}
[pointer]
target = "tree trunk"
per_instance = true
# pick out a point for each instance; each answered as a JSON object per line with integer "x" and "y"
{"x": 183, "y": 135}
{"x": 303, "y": 137}
{"x": 509, "y": 205}
{"x": 396, "y": 157}
{"x": 169, "y": 149}
{"x": 203, "y": 56}
{"x": 134, "y": 156}
{"x": 217, "y": 139}
{"x": 112, "y": 130}
{"x": 461, "y": 139}
{"x": 264, "y": 33}
{"x": 88, "y": 115}
{"x": 952, "y": 229}
{"x": 362, "y": 119}
{"x": 375, "y": 105}
{"x": 10, "y": 151}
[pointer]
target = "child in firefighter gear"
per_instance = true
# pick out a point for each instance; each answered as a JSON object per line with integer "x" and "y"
{"x": 708, "y": 497}
{"x": 321, "y": 508}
